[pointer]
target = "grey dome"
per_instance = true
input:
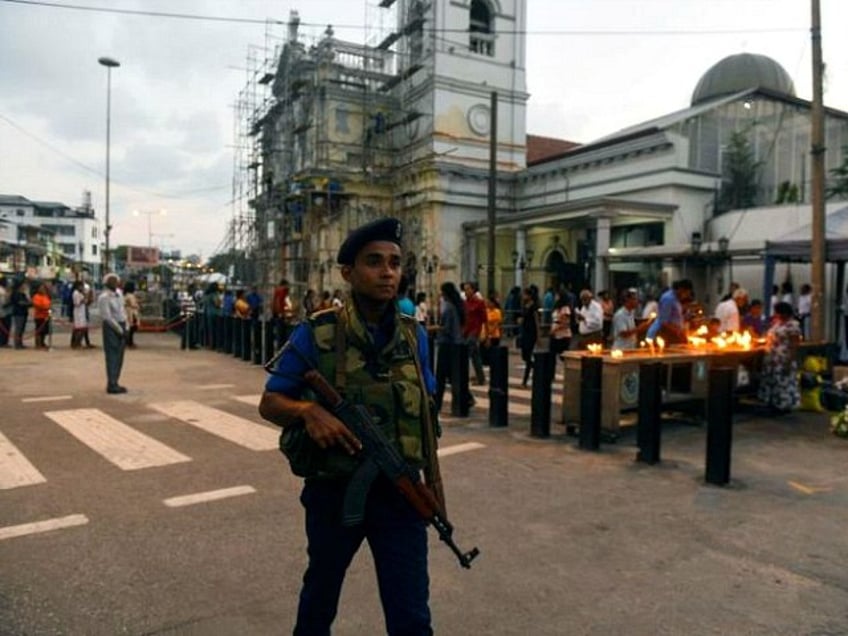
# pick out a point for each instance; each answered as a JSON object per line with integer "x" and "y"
{"x": 740, "y": 72}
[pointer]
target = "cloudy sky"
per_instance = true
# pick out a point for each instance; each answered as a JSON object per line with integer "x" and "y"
{"x": 594, "y": 66}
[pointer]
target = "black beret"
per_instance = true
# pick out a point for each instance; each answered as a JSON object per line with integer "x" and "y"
{"x": 385, "y": 229}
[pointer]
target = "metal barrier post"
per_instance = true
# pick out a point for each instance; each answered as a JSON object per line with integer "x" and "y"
{"x": 499, "y": 386}
{"x": 591, "y": 367}
{"x": 719, "y": 425}
{"x": 649, "y": 427}
{"x": 245, "y": 340}
{"x": 257, "y": 341}
{"x": 237, "y": 340}
{"x": 460, "y": 393}
{"x": 184, "y": 332}
{"x": 540, "y": 404}
{"x": 269, "y": 341}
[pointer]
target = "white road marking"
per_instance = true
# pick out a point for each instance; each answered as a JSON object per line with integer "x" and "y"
{"x": 47, "y": 525}
{"x": 215, "y": 387}
{"x": 230, "y": 427}
{"x": 211, "y": 495}
{"x": 253, "y": 400}
{"x": 15, "y": 469}
{"x": 115, "y": 441}
{"x": 48, "y": 398}
{"x": 460, "y": 448}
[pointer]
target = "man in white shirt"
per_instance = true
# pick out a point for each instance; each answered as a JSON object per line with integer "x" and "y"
{"x": 729, "y": 311}
{"x": 111, "y": 306}
{"x": 590, "y": 320}
{"x": 624, "y": 330}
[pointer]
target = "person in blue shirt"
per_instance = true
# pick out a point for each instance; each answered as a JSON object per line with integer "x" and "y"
{"x": 377, "y": 357}
{"x": 670, "y": 323}
{"x": 405, "y": 304}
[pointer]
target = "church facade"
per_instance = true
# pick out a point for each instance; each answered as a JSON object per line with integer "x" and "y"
{"x": 402, "y": 127}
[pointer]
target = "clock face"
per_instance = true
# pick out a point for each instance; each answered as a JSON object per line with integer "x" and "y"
{"x": 479, "y": 119}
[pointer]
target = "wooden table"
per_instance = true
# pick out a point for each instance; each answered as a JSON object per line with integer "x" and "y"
{"x": 685, "y": 379}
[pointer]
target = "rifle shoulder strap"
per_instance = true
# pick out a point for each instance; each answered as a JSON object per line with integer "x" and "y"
{"x": 341, "y": 350}
{"x": 432, "y": 472}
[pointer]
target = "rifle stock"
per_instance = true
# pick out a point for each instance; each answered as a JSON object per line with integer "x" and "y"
{"x": 380, "y": 450}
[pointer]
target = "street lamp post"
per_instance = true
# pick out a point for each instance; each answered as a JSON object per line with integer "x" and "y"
{"x": 109, "y": 63}
{"x": 150, "y": 214}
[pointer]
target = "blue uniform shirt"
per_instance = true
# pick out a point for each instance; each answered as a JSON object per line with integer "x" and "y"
{"x": 291, "y": 382}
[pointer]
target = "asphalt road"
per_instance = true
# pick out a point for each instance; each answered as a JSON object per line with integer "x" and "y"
{"x": 572, "y": 542}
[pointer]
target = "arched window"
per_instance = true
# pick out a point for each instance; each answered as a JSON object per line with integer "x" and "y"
{"x": 481, "y": 28}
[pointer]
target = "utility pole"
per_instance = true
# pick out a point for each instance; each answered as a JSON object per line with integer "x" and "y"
{"x": 817, "y": 150}
{"x": 493, "y": 190}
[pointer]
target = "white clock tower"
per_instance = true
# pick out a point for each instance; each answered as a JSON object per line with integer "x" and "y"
{"x": 451, "y": 56}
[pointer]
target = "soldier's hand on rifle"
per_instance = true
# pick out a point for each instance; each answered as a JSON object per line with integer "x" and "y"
{"x": 326, "y": 430}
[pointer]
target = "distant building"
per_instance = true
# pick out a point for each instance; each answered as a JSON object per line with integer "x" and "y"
{"x": 73, "y": 245}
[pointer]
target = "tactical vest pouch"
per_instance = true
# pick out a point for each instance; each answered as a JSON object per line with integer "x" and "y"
{"x": 307, "y": 459}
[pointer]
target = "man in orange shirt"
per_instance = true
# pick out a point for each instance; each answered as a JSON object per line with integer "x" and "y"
{"x": 41, "y": 313}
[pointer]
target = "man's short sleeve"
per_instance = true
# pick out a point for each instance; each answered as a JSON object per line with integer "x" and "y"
{"x": 287, "y": 377}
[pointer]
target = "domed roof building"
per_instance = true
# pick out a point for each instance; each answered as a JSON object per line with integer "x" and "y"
{"x": 740, "y": 72}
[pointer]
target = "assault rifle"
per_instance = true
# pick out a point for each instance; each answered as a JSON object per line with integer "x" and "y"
{"x": 380, "y": 455}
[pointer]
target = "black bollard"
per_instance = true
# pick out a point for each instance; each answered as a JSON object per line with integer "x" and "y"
{"x": 246, "y": 351}
{"x": 229, "y": 345}
{"x": 220, "y": 329}
{"x": 719, "y": 425}
{"x": 460, "y": 393}
{"x": 193, "y": 331}
{"x": 184, "y": 333}
{"x": 591, "y": 368}
{"x": 257, "y": 341}
{"x": 649, "y": 426}
{"x": 499, "y": 386}
{"x": 237, "y": 339}
{"x": 269, "y": 341}
{"x": 540, "y": 401}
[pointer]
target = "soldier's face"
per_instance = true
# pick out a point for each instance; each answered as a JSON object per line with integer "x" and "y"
{"x": 375, "y": 273}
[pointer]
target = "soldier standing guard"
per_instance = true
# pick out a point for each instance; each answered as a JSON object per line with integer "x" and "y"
{"x": 376, "y": 357}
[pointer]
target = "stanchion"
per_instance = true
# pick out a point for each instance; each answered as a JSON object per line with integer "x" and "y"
{"x": 591, "y": 368}
{"x": 229, "y": 339}
{"x": 184, "y": 332}
{"x": 256, "y": 339}
{"x": 649, "y": 426}
{"x": 719, "y": 425}
{"x": 499, "y": 387}
{"x": 540, "y": 402}
{"x": 460, "y": 394}
{"x": 220, "y": 328}
{"x": 238, "y": 341}
{"x": 245, "y": 340}
{"x": 269, "y": 341}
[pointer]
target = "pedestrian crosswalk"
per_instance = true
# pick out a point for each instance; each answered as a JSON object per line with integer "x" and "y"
{"x": 129, "y": 449}
{"x": 123, "y": 446}
{"x": 113, "y": 440}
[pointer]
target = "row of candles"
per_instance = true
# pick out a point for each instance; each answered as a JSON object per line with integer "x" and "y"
{"x": 699, "y": 340}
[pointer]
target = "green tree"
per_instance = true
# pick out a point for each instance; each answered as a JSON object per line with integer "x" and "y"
{"x": 740, "y": 174}
{"x": 838, "y": 187}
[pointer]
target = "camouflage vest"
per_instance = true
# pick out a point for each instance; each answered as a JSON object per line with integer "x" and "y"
{"x": 385, "y": 381}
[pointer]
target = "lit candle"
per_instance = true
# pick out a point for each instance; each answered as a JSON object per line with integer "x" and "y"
{"x": 617, "y": 353}
{"x": 660, "y": 343}
{"x": 650, "y": 343}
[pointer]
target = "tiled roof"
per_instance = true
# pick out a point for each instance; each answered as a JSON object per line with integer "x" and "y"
{"x": 541, "y": 148}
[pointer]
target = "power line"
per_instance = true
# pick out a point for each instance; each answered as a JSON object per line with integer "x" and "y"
{"x": 362, "y": 27}
{"x": 95, "y": 171}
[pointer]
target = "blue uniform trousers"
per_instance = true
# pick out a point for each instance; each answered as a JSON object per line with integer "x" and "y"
{"x": 398, "y": 540}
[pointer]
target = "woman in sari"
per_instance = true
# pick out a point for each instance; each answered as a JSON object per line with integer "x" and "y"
{"x": 779, "y": 382}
